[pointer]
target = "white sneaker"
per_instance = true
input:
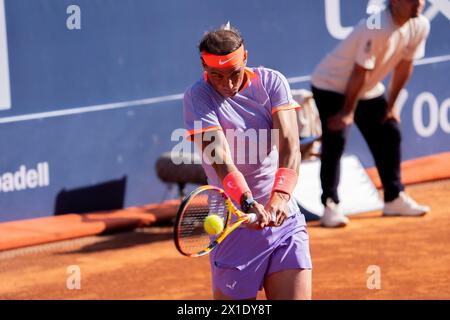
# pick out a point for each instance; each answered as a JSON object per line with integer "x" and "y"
{"x": 332, "y": 216}
{"x": 404, "y": 205}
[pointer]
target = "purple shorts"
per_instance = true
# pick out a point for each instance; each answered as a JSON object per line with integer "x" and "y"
{"x": 246, "y": 257}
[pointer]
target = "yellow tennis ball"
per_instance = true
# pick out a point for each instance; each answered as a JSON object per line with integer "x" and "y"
{"x": 213, "y": 224}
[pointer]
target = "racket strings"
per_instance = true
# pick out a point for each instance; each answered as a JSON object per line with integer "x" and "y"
{"x": 192, "y": 236}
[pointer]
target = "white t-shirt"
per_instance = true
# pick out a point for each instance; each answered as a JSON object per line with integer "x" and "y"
{"x": 378, "y": 50}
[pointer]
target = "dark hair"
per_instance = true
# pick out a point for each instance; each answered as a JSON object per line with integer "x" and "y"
{"x": 221, "y": 42}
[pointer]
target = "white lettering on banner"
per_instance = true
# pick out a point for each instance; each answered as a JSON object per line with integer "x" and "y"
{"x": 374, "y": 8}
{"x": 74, "y": 20}
{"x": 333, "y": 20}
{"x": 438, "y": 115}
{"x": 333, "y": 17}
{"x": 5, "y": 91}
{"x": 374, "y": 22}
{"x": 338, "y": 31}
{"x": 428, "y": 99}
{"x": 445, "y": 123}
{"x": 25, "y": 178}
{"x": 436, "y": 7}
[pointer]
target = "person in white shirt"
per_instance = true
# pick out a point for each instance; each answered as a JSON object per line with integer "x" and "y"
{"x": 347, "y": 88}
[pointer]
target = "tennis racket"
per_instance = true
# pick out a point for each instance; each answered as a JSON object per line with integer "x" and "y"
{"x": 191, "y": 239}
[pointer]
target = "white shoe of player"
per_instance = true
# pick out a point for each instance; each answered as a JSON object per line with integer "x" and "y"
{"x": 404, "y": 205}
{"x": 332, "y": 216}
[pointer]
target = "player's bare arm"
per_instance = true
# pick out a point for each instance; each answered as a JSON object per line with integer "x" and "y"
{"x": 289, "y": 157}
{"x": 223, "y": 164}
{"x": 356, "y": 82}
{"x": 400, "y": 77}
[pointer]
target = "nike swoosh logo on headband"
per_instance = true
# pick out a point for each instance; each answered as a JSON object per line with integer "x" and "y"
{"x": 226, "y": 61}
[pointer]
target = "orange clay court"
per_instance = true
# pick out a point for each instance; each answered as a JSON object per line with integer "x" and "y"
{"x": 413, "y": 254}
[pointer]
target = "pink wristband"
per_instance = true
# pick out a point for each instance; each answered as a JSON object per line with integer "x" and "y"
{"x": 285, "y": 181}
{"x": 235, "y": 186}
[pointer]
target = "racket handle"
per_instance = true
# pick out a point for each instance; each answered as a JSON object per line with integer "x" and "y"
{"x": 252, "y": 218}
{"x": 273, "y": 216}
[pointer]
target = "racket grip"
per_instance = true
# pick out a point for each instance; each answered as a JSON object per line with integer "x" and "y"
{"x": 273, "y": 216}
{"x": 252, "y": 218}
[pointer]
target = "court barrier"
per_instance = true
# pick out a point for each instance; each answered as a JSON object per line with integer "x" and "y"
{"x": 24, "y": 233}
{"x": 18, "y": 234}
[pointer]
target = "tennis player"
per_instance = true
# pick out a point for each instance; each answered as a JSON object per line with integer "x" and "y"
{"x": 347, "y": 88}
{"x": 232, "y": 104}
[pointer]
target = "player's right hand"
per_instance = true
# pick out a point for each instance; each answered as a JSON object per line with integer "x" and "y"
{"x": 263, "y": 217}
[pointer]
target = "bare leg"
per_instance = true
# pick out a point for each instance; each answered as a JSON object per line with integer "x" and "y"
{"x": 292, "y": 284}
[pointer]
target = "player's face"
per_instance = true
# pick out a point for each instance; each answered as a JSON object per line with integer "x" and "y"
{"x": 227, "y": 81}
{"x": 409, "y": 8}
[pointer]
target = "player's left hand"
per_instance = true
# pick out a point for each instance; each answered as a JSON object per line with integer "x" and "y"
{"x": 278, "y": 204}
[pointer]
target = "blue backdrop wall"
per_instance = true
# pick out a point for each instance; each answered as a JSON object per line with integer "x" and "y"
{"x": 90, "y": 95}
